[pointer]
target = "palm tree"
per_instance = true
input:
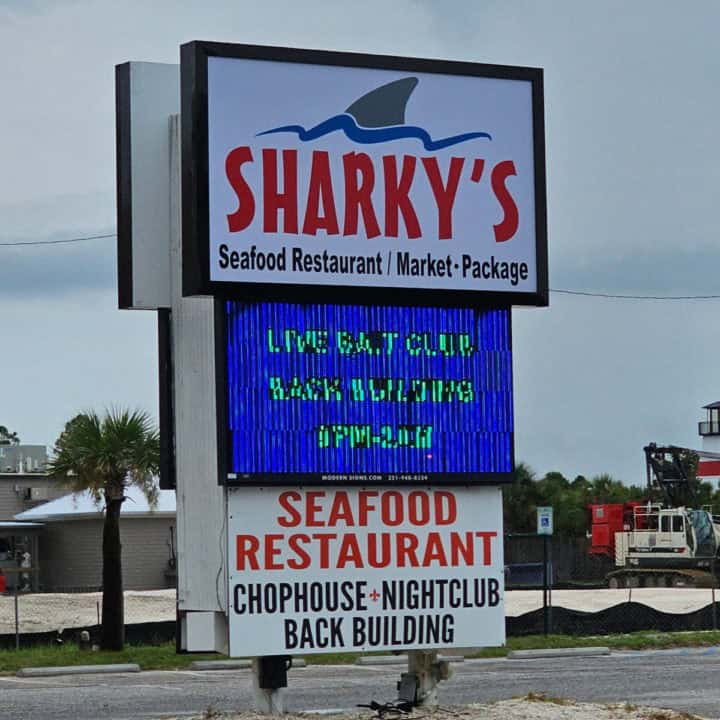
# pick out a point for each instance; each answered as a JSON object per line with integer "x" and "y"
{"x": 103, "y": 455}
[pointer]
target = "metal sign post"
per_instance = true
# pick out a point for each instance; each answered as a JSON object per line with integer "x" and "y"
{"x": 545, "y": 529}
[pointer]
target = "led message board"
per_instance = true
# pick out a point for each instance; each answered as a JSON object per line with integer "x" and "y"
{"x": 343, "y": 394}
{"x": 309, "y": 171}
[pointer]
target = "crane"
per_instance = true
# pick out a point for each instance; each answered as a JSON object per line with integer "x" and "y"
{"x": 672, "y": 542}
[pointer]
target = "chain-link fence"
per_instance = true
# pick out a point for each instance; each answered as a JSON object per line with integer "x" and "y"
{"x": 28, "y": 618}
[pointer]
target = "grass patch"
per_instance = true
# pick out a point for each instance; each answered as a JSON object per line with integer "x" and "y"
{"x": 149, "y": 657}
{"x": 163, "y": 656}
{"x": 626, "y": 641}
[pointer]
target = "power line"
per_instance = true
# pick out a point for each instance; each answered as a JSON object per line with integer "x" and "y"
{"x": 635, "y": 297}
{"x": 58, "y": 242}
{"x": 583, "y": 293}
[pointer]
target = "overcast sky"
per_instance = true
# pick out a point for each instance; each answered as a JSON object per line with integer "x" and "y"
{"x": 633, "y": 179}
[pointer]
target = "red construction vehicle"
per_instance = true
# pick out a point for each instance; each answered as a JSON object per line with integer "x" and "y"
{"x": 660, "y": 543}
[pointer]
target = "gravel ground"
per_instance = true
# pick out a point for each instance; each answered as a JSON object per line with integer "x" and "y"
{"x": 539, "y": 708}
{"x": 54, "y": 611}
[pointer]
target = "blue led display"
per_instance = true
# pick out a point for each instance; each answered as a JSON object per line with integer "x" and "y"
{"x": 336, "y": 393}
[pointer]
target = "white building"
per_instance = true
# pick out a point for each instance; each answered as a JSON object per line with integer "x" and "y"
{"x": 709, "y": 431}
{"x": 68, "y": 556}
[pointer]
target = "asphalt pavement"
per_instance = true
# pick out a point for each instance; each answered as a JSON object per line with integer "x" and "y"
{"x": 682, "y": 680}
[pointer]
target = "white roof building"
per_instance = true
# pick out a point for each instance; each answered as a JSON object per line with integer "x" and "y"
{"x": 82, "y": 505}
{"x": 68, "y": 552}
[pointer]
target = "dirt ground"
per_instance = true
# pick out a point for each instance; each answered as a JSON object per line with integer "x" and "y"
{"x": 55, "y": 611}
{"x": 539, "y": 708}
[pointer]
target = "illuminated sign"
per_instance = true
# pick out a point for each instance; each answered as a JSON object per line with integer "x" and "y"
{"x": 342, "y": 394}
{"x": 356, "y": 569}
{"x": 305, "y": 172}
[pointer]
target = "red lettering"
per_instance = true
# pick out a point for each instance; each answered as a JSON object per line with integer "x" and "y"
{"x": 509, "y": 225}
{"x": 341, "y": 510}
{"x": 391, "y": 516}
{"x": 418, "y": 508}
{"x": 349, "y": 552}
{"x": 294, "y": 515}
{"x": 302, "y": 562}
{"x": 477, "y": 170}
{"x": 273, "y": 199}
{"x": 320, "y": 192}
{"x": 365, "y": 505}
{"x": 313, "y": 508}
{"x": 406, "y": 548}
{"x": 271, "y": 551}
{"x": 397, "y": 198}
{"x": 434, "y": 551}
{"x": 444, "y": 192}
{"x": 246, "y": 548}
{"x": 358, "y": 195}
{"x": 487, "y": 545}
{"x": 245, "y": 213}
{"x": 445, "y": 507}
{"x": 466, "y": 550}
{"x": 324, "y": 539}
{"x": 384, "y": 559}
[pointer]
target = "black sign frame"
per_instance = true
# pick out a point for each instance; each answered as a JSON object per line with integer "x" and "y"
{"x": 195, "y": 211}
{"x": 224, "y": 441}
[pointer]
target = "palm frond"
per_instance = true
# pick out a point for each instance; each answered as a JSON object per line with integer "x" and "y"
{"x": 104, "y": 454}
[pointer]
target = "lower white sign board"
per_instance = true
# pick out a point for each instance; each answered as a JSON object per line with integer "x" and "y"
{"x": 360, "y": 569}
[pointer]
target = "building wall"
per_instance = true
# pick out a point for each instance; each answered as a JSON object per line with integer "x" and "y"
{"x": 710, "y": 443}
{"x": 22, "y": 458}
{"x": 71, "y": 553}
{"x": 14, "y": 487}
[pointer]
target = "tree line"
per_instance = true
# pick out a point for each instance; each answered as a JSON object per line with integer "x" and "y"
{"x": 570, "y": 499}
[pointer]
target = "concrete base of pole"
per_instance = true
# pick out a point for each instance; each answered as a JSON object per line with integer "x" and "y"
{"x": 429, "y": 671}
{"x": 268, "y": 702}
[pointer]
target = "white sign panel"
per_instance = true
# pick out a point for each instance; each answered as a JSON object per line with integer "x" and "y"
{"x": 545, "y": 521}
{"x": 147, "y": 94}
{"x": 426, "y": 176}
{"x": 328, "y": 570}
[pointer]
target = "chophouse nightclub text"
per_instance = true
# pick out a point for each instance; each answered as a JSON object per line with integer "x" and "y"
{"x": 363, "y": 543}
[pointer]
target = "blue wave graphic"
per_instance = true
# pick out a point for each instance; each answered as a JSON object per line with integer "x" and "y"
{"x": 371, "y": 136}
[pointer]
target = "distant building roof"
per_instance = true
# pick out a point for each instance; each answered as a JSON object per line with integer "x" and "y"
{"x": 82, "y": 505}
{"x": 18, "y": 526}
{"x": 712, "y": 406}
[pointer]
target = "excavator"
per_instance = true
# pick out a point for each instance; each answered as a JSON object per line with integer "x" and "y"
{"x": 662, "y": 542}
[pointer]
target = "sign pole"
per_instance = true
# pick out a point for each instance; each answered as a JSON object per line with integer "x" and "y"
{"x": 17, "y": 613}
{"x": 714, "y": 582}
{"x": 545, "y": 585}
{"x": 269, "y": 681}
{"x": 545, "y": 528}
{"x": 550, "y": 583}
{"x": 424, "y": 673}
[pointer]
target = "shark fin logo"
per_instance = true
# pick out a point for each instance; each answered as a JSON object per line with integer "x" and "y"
{"x": 310, "y": 190}
{"x": 378, "y": 117}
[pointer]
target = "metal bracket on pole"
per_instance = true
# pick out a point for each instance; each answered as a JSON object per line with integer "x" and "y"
{"x": 269, "y": 683}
